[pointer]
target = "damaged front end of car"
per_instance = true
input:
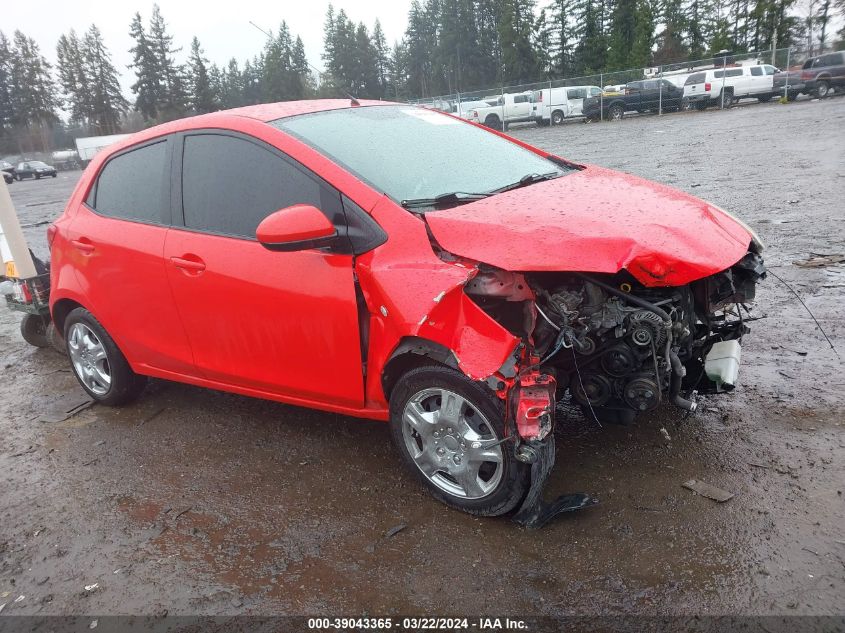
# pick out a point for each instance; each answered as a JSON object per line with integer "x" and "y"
{"x": 612, "y": 345}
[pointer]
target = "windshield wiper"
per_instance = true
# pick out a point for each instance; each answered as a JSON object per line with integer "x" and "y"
{"x": 454, "y": 197}
{"x": 528, "y": 179}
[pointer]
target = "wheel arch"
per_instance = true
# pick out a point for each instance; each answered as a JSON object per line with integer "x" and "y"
{"x": 410, "y": 353}
{"x": 61, "y": 308}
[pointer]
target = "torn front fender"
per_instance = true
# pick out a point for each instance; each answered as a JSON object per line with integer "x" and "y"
{"x": 411, "y": 292}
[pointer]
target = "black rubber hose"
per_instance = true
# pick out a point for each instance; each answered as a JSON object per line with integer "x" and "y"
{"x": 675, "y": 385}
{"x": 629, "y": 298}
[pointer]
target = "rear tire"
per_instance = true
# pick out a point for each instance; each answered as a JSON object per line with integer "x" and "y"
{"x": 727, "y": 99}
{"x": 98, "y": 364}
{"x": 823, "y": 90}
{"x": 557, "y": 117}
{"x": 493, "y": 122}
{"x": 34, "y": 330}
{"x": 436, "y": 415}
{"x": 616, "y": 112}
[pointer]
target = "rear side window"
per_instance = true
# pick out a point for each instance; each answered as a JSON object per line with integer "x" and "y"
{"x": 756, "y": 71}
{"x": 229, "y": 184}
{"x": 697, "y": 78}
{"x": 733, "y": 72}
{"x": 131, "y": 185}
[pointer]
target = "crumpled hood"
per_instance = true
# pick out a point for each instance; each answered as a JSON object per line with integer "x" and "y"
{"x": 595, "y": 220}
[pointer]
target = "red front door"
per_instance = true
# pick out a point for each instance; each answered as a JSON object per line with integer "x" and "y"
{"x": 285, "y": 323}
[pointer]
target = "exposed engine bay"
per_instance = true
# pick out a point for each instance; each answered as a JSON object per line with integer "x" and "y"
{"x": 619, "y": 347}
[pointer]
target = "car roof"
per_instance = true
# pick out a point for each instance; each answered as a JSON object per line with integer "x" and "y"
{"x": 264, "y": 112}
{"x": 272, "y": 111}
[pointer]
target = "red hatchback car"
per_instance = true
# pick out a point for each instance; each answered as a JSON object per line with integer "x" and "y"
{"x": 396, "y": 263}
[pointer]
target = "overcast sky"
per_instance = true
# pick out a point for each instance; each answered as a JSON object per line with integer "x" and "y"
{"x": 222, "y": 27}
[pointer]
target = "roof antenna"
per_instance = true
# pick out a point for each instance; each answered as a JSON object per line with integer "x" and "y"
{"x": 352, "y": 100}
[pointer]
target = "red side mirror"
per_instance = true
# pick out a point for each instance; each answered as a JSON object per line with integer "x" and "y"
{"x": 296, "y": 228}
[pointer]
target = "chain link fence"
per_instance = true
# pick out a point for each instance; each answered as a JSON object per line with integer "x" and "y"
{"x": 719, "y": 81}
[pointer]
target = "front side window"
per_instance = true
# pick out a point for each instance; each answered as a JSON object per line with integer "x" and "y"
{"x": 230, "y": 184}
{"x": 595, "y": 92}
{"x": 410, "y": 153}
{"x": 131, "y": 185}
{"x": 520, "y": 99}
{"x": 769, "y": 70}
{"x": 756, "y": 71}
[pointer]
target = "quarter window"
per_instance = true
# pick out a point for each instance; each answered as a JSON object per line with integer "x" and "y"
{"x": 229, "y": 184}
{"x": 131, "y": 185}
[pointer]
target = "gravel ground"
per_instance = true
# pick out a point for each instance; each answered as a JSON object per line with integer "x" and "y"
{"x": 192, "y": 501}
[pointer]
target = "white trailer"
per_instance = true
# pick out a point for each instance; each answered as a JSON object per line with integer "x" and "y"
{"x": 89, "y": 146}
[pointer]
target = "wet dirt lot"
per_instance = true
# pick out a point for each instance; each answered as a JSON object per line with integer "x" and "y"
{"x": 192, "y": 501}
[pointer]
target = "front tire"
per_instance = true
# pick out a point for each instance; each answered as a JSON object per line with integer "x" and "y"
{"x": 98, "y": 364}
{"x": 447, "y": 428}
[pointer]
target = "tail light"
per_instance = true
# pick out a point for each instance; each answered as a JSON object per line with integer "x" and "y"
{"x": 627, "y": 91}
{"x": 473, "y": 114}
{"x": 806, "y": 75}
{"x": 706, "y": 87}
{"x": 51, "y": 234}
{"x": 541, "y": 98}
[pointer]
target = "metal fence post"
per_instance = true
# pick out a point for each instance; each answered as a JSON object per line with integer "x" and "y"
{"x": 724, "y": 72}
{"x": 601, "y": 97}
{"x": 786, "y": 84}
{"x": 660, "y": 91}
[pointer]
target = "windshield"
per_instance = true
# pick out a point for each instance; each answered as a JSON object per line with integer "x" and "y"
{"x": 411, "y": 153}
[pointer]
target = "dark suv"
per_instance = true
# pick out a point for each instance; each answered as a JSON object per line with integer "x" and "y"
{"x": 817, "y": 76}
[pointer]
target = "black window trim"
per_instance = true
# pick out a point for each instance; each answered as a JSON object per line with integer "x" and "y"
{"x": 367, "y": 236}
{"x": 165, "y": 219}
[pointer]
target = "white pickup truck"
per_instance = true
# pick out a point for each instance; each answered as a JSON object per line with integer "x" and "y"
{"x": 507, "y": 108}
{"x": 729, "y": 85}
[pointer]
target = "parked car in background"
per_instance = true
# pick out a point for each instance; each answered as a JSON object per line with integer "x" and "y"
{"x": 648, "y": 95}
{"x": 817, "y": 76}
{"x": 417, "y": 252}
{"x": 463, "y": 108}
{"x": 507, "y": 108}
{"x": 8, "y": 171}
{"x": 726, "y": 86}
{"x": 34, "y": 169}
{"x": 550, "y": 106}
{"x": 7, "y": 177}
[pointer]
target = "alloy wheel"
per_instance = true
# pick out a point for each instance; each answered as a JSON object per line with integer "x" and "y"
{"x": 89, "y": 359}
{"x": 452, "y": 443}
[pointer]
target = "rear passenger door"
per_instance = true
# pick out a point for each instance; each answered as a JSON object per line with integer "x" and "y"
{"x": 117, "y": 238}
{"x": 263, "y": 321}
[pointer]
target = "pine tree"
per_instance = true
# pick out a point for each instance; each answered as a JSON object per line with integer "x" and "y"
{"x": 561, "y": 32}
{"x": 418, "y": 51}
{"x": 148, "y": 85}
{"x": 591, "y": 50}
{"x": 107, "y": 105}
{"x": 488, "y": 64}
{"x": 382, "y": 59}
{"x": 6, "y": 111}
{"x": 302, "y": 70}
{"x": 74, "y": 84}
{"x": 175, "y": 95}
{"x": 202, "y": 98}
{"x": 671, "y": 46}
{"x": 622, "y": 34}
{"x": 823, "y": 17}
{"x": 519, "y": 61}
{"x": 231, "y": 86}
{"x": 641, "y": 55}
{"x": 33, "y": 92}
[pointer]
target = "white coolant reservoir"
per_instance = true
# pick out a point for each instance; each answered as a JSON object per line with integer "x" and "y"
{"x": 722, "y": 364}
